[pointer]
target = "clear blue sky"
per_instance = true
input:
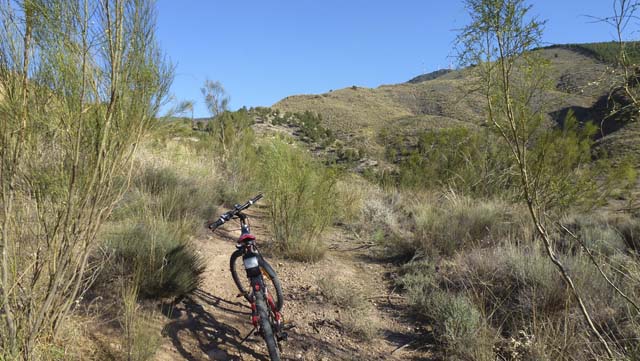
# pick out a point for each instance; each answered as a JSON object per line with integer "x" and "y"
{"x": 263, "y": 51}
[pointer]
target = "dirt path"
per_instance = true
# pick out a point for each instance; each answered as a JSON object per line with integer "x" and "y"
{"x": 210, "y": 324}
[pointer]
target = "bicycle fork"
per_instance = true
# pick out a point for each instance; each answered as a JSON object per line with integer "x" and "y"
{"x": 257, "y": 284}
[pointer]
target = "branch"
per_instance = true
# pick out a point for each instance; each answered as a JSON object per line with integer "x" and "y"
{"x": 595, "y": 263}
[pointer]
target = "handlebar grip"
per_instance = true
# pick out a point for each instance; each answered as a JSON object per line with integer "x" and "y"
{"x": 223, "y": 218}
{"x": 256, "y": 198}
{"x": 212, "y": 226}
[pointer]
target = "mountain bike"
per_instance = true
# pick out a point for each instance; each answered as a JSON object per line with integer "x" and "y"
{"x": 262, "y": 280}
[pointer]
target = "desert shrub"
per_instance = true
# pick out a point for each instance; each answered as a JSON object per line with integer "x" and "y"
{"x": 151, "y": 230}
{"x": 360, "y": 324}
{"x": 158, "y": 254}
{"x": 475, "y": 162}
{"x": 311, "y": 126}
{"x": 450, "y": 223}
{"x": 340, "y": 294}
{"x": 66, "y": 140}
{"x": 157, "y": 180}
{"x": 509, "y": 283}
{"x": 629, "y": 230}
{"x": 302, "y": 196}
{"x": 171, "y": 196}
{"x": 595, "y": 231}
{"x": 351, "y": 193}
{"x": 457, "y": 323}
{"x": 517, "y": 290}
{"x": 356, "y": 312}
{"x": 381, "y": 217}
{"x": 365, "y": 207}
{"x": 240, "y": 170}
{"x": 232, "y": 125}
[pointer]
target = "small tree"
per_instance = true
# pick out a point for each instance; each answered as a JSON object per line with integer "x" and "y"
{"x": 624, "y": 15}
{"x": 217, "y": 102}
{"x": 513, "y": 79}
{"x": 187, "y": 106}
{"x": 80, "y": 83}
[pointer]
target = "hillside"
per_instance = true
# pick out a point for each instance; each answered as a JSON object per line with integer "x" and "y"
{"x": 444, "y": 99}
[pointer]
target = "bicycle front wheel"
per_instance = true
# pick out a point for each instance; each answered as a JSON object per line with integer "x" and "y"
{"x": 266, "y": 326}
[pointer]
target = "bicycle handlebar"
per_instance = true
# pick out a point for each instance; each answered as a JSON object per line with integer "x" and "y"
{"x": 233, "y": 213}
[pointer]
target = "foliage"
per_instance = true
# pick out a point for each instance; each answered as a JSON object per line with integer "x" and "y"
{"x": 512, "y": 78}
{"x": 215, "y": 97}
{"x": 477, "y": 223}
{"x": 301, "y": 193}
{"x": 514, "y": 289}
{"x": 217, "y": 101}
{"x": 151, "y": 227}
{"x": 458, "y": 325}
{"x": 608, "y": 52}
{"x": 140, "y": 340}
{"x": 233, "y": 126}
{"x": 80, "y": 84}
{"x": 157, "y": 252}
{"x": 239, "y": 162}
{"x": 467, "y": 160}
{"x": 309, "y": 123}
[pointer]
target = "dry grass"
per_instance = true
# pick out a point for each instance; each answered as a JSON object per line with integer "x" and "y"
{"x": 459, "y": 325}
{"x": 356, "y": 312}
{"x": 444, "y": 224}
{"x": 517, "y": 291}
{"x": 139, "y": 338}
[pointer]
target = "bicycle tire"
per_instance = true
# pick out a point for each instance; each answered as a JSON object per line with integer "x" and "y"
{"x": 275, "y": 281}
{"x": 265, "y": 326}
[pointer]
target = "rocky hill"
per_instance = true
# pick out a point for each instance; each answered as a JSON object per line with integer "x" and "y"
{"x": 358, "y": 115}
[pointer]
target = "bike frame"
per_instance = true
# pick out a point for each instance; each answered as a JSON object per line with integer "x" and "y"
{"x": 251, "y": 260}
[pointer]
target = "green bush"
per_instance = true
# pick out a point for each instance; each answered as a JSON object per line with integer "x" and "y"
{"x": 174, "y": 197}
{"x": 150, "y": 236}
{"x": 302, "y": 196}
{"x": 629, "y": 230}
{"x": 466, "y": 160}
{"x": 517, "y": 289}
{"x": 158, "y": 253}
{"x": 140, "y": 340}
{"x": 596, "y": 232}
{"x": 457, "y": 324}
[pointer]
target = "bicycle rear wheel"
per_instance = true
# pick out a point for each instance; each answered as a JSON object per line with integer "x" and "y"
{"x": 271, "y": 278}
{"x": 265, "y": 326}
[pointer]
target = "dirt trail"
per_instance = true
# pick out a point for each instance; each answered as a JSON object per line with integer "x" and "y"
{"x": 209, "y": 324}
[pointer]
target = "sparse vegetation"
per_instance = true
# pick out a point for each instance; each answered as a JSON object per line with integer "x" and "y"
{"x": 302, "y": 194}
{"x": 140, "y": 339}
{"x": 517, "y": 237}
{"x": 73, "y": 115}
{"x": 310, "y": 125}
{"x": 355, "y": 314}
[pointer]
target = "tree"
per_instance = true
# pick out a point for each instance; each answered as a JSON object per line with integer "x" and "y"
{"x": 624, "y": 15}
{"x": 187, "y": 106}
{"x": 217, "y": 102}
{"x": 499, "y": 43}
{"x": 80, "y": 83}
